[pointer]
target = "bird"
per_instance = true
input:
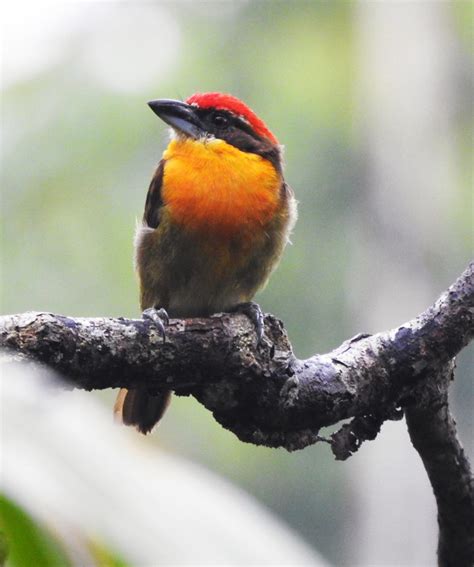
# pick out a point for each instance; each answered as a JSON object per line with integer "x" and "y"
{"x": 218, "y": 215}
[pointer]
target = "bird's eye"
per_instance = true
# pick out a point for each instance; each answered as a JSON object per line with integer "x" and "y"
{"x": 220, "y": 120}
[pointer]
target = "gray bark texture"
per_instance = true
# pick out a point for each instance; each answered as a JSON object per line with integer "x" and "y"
{"x": 266, "y": 396}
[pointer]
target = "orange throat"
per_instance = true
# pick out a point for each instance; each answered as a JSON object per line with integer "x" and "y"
{"x": 210, "y": 186}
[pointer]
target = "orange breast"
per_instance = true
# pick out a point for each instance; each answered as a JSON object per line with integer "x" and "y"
{"x": 211, "y": 186}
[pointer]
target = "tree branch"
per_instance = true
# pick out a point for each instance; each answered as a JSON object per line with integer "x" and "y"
{"x": 264, "y": 395}
{"x": 432, "y": 431}
{"x": 267, "y": 396}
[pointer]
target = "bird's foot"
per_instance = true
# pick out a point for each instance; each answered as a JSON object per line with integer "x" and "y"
{"x": 159, "y": 317}
{"x": 255, "y": 314}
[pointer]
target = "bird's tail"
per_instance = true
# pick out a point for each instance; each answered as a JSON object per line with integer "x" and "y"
{"x": 140, "y": 408}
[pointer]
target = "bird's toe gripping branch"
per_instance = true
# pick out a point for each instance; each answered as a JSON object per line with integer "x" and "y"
{"x": 255, "y": 314}
{"x": 159, "y": 317}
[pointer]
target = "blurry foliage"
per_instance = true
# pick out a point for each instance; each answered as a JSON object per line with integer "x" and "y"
{"x": 28, "y": 543}
{"x": 464, "y": 18}
{"x": 77, "y": 162}
{"x": 104, "y": 557}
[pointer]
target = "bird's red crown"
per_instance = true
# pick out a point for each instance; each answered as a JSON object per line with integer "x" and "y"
{"x": 231, "y": 103}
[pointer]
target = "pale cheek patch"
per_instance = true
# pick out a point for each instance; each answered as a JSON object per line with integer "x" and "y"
{"x": 175, "y": 135}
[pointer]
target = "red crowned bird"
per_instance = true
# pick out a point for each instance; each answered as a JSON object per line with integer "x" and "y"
{"x": 218, "y": 215}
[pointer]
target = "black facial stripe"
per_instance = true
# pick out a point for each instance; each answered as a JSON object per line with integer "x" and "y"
{"x": 238, "y": 133}
{"x": 207, "y": 114}
{"x": 245, "y": 126}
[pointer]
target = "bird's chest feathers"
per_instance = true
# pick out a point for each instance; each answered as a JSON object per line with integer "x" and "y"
{"x": 211, "y": 187}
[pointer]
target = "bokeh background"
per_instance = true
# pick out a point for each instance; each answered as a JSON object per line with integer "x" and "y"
{"x": 373, "y": 103}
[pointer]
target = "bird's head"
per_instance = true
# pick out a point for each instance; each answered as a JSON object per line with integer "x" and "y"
{"x": 222, "y": 116}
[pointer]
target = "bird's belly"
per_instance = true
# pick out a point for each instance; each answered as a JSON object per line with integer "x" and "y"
{"x": 198, "y": 276}
{"x": 210, "y": 279}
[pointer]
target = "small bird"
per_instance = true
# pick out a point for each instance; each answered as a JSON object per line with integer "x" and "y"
{"x": 218, "y": 215}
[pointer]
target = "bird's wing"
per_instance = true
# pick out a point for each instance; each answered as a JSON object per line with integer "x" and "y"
{"x": 154, "y": 200}
{"x": 286, "y": 191}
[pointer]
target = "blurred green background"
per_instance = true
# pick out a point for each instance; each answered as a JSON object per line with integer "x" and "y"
{"x": 373, "y": 104}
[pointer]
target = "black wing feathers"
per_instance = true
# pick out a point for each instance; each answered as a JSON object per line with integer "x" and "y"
{"x": 154, "y": 201}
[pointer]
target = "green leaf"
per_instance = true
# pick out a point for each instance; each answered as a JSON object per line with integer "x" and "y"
{"x": 104, "y": 556}
{"x": 24, "y": 543}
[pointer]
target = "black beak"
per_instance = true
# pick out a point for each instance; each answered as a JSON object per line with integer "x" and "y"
{"x": 179, "y": 115}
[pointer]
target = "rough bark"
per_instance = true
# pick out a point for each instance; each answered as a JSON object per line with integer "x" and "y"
{"x": 432, "y": 430}
{"x": 267, "y": 396}
{"x": 264, "y": 394}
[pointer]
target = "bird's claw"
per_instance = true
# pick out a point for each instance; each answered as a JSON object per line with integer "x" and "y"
{"x": 159, "y": 317}
{"x": 255, "y": 314}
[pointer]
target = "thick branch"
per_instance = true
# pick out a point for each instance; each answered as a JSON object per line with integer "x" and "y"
{"x": 433, "y": 433}
{"x": 264, "y": 395}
